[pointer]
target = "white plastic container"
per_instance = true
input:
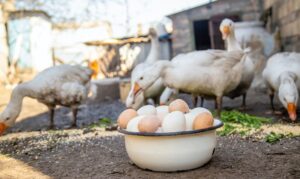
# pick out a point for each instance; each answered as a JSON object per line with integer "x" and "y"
{"x": 175, "y": 151}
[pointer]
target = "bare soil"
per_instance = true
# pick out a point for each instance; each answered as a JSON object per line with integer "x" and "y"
{"x": 30, "y": 151}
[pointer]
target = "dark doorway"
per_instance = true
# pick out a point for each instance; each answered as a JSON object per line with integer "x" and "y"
{"x": 201, "y": 35}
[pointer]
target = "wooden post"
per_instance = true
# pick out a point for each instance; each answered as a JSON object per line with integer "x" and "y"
{"x": 3, "y": 47}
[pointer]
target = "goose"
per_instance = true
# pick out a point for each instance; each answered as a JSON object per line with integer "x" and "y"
{"x": 228, "y": 35}
{"x": 156, "y": 89}
{"x": 215, "y": 76}
{"x": 64, "y": 85}
{"x": 282, "y": 77}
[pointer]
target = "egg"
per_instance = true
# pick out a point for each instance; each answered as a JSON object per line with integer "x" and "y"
{"x": 179, "y": 105}
{"x": 147, "y": 110}
{"x": 199, "y": 110}
{"x": 132, "y": 125}
{"x": 190, "y": 117}
{"x": 189, "y": 120}
{"x": 125, "y": 117}
{"x": 149, "y": 124}
{"x": 203, "y": 120}
{"x": 173, "y": 122}
{"x": 162, "y": 111}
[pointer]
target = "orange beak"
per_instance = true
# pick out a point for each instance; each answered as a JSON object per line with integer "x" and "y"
{"x": 225, "y": 32}
{"x": 292, "y": 111}
{"x": 136, "y": 88}
{"x": 3, "y": 127}
{"x": 94, "y": 66}
{"x": 162, "y": 104}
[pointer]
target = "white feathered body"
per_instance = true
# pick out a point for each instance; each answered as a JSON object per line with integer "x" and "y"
{"x": 64, "y": 85}
{"x": 280, "y": 63}
{"x": 218, "y": 74}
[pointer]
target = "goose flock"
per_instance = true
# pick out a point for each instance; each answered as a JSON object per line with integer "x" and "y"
{"x": 210, "y": 74}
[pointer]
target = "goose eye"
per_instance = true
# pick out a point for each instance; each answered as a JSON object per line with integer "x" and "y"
{"x": 7, "y": 118}
{"x": 141, "y": 78}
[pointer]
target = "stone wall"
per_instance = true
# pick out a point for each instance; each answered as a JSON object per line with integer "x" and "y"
{"x": 286, "y": 16}
{"x": 183, "y": 38}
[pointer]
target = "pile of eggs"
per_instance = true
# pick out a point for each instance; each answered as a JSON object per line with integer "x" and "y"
{"x": 173, "y": 118}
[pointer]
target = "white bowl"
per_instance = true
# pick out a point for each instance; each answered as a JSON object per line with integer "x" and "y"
{"x": 173, "y": 151}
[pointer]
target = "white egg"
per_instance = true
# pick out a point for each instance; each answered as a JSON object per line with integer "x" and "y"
{"x": 189, "y": 120}
{"x": 174, "y": 122}
{"x": 162, "y": 111}
{"x": 189, "y": 117}
{"x": 147, "y": 110}
{"x": 200, "y": 110}
{"x": 132, "y": 125}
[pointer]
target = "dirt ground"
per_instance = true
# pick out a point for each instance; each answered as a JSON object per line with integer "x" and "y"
{"x": 30, "y": 151}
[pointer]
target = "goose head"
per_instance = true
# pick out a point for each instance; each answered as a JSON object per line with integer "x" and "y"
{"x": 135, "y": 102}
{"x": 288, "y": 94}
{"x": 227, "y": 28}
{"x": 7, "y": 118}
{"x": 145, "y": 79}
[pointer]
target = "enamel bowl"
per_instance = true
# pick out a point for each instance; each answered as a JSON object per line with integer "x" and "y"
{"x": 173, "y": 151}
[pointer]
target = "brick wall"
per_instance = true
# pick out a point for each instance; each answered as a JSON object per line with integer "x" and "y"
{"x": 286, "y": 16}
{"x": 183, "y": 37}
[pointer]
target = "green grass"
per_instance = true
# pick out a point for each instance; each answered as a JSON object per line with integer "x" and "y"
{"x": 275, "y": 137}
{"x": 227, "y": 130}
{"x": 244, "y": 119}
{"x": 236, "y": 122}
{"x": 102, "y": 123}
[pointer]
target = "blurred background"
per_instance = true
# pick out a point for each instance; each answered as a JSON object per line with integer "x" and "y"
{"x": 112, "y": 35}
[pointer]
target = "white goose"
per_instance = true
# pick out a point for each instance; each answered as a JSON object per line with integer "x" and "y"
{"x": 197, "y": 76}
{"x": 228, "y": 34}
{"x": 155, "y": 90}
{"x": 282, "y": 76}
{"x": 64, "y": 85}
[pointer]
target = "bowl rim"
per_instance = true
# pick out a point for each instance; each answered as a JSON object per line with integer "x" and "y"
{"x": 220, "y": 124}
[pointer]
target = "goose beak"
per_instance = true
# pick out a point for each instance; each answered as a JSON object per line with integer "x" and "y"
{"x": 292, "y": 111}
{"x": 3, "y": 127}
{"x": 225, "y": 32}
{"x": 162, "y": 104}
{"x": 136, "y": 89}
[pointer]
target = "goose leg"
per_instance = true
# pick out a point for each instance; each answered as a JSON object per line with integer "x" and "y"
{"x": 271, "y": 95}
{"x": 244, "y": 102}
{"x": 74, "y": 112}
{"x": 219, "y": 105}
{"x": 202, "y": 101}
{"x": 51, "y": 116}
{"x": 195, "y": 100}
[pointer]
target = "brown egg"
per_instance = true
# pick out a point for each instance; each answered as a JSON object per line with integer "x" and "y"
{"x": 149, "y": 124}
{"x": 179, "y": 105}
{"x": 203, "y": 120}
{"x": 125, "y": 117}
